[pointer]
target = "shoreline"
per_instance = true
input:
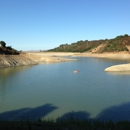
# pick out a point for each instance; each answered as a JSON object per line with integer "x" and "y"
{"x": 116, "y": 56}
{"x": 120, "y": 56}
{"x": 48, "y": 57}
{"x": 30, "y": 59}
{"x": 119, "y": 68}
{"x": 56, "y": 57}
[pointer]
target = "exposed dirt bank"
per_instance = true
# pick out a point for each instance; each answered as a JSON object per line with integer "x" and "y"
{"x": 53, "y": 57}
{"x": 29, "y": 59}
{"x": 15, "y": 60}
{"x": 54, "y": 54}
{"x": 49, "y": 57}
{"x": 120, "y": 56}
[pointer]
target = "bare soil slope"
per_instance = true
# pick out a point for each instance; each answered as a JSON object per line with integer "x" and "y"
{"x": 15, "y": 60}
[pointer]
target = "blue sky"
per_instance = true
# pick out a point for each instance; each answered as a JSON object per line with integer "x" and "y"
{"x": 46, "y": 24}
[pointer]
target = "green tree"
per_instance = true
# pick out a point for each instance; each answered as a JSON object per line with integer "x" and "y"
{"x": 3, "y": 44}
{"x": 126, "y": 35}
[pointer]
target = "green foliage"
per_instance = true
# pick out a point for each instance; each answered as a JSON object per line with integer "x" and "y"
{"x": 3, "y": 44}
{"x": 119, "y": 37}
{"x": 126, "y": 35}
{"x": 116, "y": 44}
{"x": 7, "y": 50}
{"x": 109, "y": 45}
{"x": 122, "y": 36}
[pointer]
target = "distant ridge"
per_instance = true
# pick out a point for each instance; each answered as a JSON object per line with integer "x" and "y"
{"x": 34, "y": 51}
{"x": 117, "y": 44}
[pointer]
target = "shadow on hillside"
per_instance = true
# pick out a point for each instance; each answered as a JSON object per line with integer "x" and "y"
{"x": 116, "y": 113}
{"x": 28, "y": 113}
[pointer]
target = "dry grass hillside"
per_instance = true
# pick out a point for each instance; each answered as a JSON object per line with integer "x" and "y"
{"x": 117, "y": 44}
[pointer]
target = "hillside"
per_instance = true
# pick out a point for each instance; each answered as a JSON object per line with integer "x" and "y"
{"x": 120, "y": 43}
{"x": 7, "y": 50}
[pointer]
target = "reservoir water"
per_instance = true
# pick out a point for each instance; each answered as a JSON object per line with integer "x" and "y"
{"x": 54, "y": 91}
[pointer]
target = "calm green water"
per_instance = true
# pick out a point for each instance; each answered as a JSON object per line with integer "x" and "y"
{"x": 53, "y": 90}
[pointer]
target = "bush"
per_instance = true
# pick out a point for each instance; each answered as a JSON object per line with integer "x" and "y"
{"x": 3, "y": 44}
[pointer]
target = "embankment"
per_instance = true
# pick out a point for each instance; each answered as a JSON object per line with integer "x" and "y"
{"x": 49, "y": 57}
{"x": 38, "y": 58}
{"x": 29, "y": 59}
{"x": 15, "y": 60}
{"x": 117, "y": 56}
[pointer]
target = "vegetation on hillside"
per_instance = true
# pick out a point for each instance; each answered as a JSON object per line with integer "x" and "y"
{"x": 7, "y": 50}
{"x": 108, "y": 45}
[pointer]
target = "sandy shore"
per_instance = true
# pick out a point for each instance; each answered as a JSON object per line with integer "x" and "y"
{"x": 121, "y": 55}
{"x": 49, "y": 57}
{"x": 53, "y": 57}
{"x": 53, "y": 54}
{"x": 31, "y": 59}
{"x": 119, "y": 68}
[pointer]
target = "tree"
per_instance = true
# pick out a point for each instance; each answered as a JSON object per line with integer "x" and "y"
{"x": 3, "y": 44}
{"x": 126, "y": 35}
